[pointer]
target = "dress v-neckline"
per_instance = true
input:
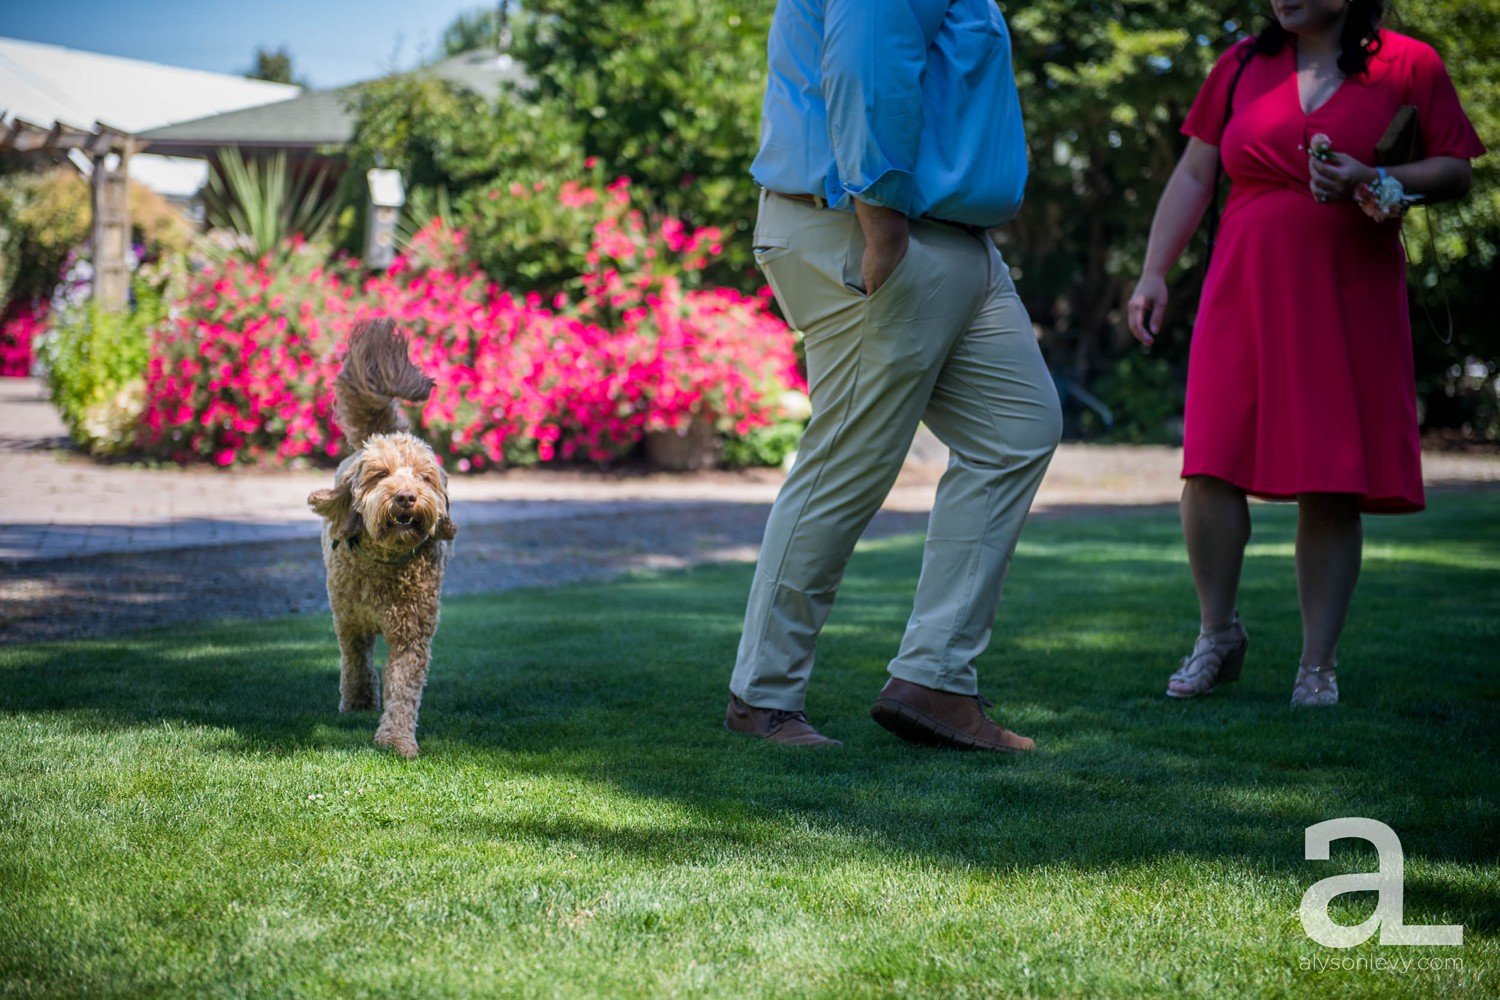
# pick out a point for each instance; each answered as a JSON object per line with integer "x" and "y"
{"x": 1297, "y": 88}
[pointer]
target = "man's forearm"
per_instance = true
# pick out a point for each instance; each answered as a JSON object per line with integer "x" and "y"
{"x": 887, "y": 233}
{"x": 883, "y": 227}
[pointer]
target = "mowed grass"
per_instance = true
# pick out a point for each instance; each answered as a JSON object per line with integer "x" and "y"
{"x": 183, "y": 811}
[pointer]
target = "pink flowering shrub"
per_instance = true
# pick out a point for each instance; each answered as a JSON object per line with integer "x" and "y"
{"x": 22, "y": 324}
{"x": 544, "y": 235}
{"x": 242, "y": 371}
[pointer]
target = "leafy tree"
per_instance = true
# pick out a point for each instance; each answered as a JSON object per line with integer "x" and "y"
{"x": 451, "y": 146}
{"x": 669, "y": 91}
{"x": 274, "y": 66}
{"x": 416, "y": 124}
{"x": 481, "y": 29}
{"x": 1104, "y": 88}
{"x": 43, "y": 215}
{"x": 1460, "y": 277}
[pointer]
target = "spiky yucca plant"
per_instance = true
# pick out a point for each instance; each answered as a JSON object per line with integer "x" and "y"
{"x": 267, "y": 202}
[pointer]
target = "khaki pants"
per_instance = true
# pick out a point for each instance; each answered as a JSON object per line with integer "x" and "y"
{"x": 945, "y": 340}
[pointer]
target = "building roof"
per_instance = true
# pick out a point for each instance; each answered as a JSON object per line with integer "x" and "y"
{"x": 50, "y": 85}
{"x": 319, "y": 118}
{"x": 47, "y": 83}
{"x": 311, "y": 120}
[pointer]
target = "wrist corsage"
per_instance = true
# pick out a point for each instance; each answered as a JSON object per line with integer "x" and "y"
{"x": 1384, "y": 198}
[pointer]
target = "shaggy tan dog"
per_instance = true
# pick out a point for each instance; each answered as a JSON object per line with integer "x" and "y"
{"x": 386, "y": 536}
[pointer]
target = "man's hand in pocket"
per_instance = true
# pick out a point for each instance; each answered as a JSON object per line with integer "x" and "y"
{"x": 887, "y": 233}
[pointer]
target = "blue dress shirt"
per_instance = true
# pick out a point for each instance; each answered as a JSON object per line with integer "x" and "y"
{"x": 908, "y": 104}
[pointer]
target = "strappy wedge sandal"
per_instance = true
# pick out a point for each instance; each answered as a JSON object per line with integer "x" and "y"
{"x": 1216, "y": 659}
{"x": 1316, "y": 687}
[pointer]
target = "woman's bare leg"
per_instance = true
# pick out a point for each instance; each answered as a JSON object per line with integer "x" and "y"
{"x": 1330, "y": 543}
{"x": 1216, "y": 527}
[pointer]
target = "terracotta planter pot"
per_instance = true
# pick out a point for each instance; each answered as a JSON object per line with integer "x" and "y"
{"x": 691, "y": 447}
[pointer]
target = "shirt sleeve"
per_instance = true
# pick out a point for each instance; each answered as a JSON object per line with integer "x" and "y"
{"x": 874, "y": 52}
{"x": 1208, "y": 115}
{"x": 1446, "y": 129}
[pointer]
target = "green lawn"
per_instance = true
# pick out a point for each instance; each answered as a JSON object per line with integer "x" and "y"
{"x": 184, "y": 812}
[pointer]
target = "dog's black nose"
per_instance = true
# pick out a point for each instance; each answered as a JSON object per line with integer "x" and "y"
{"x": 406, "y": 498}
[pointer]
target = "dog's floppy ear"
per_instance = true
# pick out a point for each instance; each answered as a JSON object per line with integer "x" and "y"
{"x": 337, "y": 506}
{"x": 446, "y": 529}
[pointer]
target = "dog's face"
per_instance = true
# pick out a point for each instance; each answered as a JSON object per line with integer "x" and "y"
{"x": 392, "y": 492}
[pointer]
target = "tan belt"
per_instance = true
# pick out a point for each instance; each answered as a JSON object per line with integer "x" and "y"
{"x": 818, "y": 202}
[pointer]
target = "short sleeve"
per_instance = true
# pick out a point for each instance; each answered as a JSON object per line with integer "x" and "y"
{"x": 1206, "y": 118}
{"x": 1446, "y": 129}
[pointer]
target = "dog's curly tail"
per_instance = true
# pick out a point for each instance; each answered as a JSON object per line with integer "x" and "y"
{"x": 376, "y": 374}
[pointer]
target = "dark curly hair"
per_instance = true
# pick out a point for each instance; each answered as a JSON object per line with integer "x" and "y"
{"x": 1360, "y": 40}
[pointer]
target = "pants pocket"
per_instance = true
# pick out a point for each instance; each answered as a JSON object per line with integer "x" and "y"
{"x": 780, "y": 267}
{"x": 768, "y": 248}
{"x": 854, "y": 279}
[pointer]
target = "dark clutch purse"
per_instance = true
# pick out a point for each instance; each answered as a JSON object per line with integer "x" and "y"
{"x": 1402, "y": 142}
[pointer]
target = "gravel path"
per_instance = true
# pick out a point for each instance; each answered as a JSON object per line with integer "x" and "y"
{"x": 113, "y": 593}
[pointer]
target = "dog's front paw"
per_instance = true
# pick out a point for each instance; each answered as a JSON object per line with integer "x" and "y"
{"x": 358, "y": 703}
{"x": 403, "y": 743}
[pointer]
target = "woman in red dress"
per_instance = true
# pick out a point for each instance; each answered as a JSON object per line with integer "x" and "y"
{"x": 1300, "y": 381}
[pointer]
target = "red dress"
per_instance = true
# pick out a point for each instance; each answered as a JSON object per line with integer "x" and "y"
{"x": 1300, "y": 372}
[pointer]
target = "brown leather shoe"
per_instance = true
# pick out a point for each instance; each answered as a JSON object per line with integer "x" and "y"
{"x": 775, "y": 725}
{"x": 925, "y": 715}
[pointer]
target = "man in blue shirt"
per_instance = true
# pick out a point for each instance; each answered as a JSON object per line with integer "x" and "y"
{"x": 891, "y": 142}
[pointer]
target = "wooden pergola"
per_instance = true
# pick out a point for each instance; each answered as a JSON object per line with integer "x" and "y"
{"x": 109, "y": 151}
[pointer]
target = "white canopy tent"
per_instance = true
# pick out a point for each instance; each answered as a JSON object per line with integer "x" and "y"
{"x": 48, "y": 85}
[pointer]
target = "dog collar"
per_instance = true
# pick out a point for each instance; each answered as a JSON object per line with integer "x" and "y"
{"x": 401, "y": 560}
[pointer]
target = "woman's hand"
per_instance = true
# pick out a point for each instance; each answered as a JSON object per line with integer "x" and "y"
{"x": 1147, "y": 306}
{"x": 1336, "y": 178}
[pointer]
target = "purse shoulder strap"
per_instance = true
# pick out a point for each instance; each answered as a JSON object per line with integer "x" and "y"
{"x": 1430, "y": 217}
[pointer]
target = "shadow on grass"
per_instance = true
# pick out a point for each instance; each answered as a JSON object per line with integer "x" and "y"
{"x": 623, "y": 685}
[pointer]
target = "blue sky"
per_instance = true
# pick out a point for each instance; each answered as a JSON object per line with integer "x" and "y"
{"x": 332, "y": 42}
